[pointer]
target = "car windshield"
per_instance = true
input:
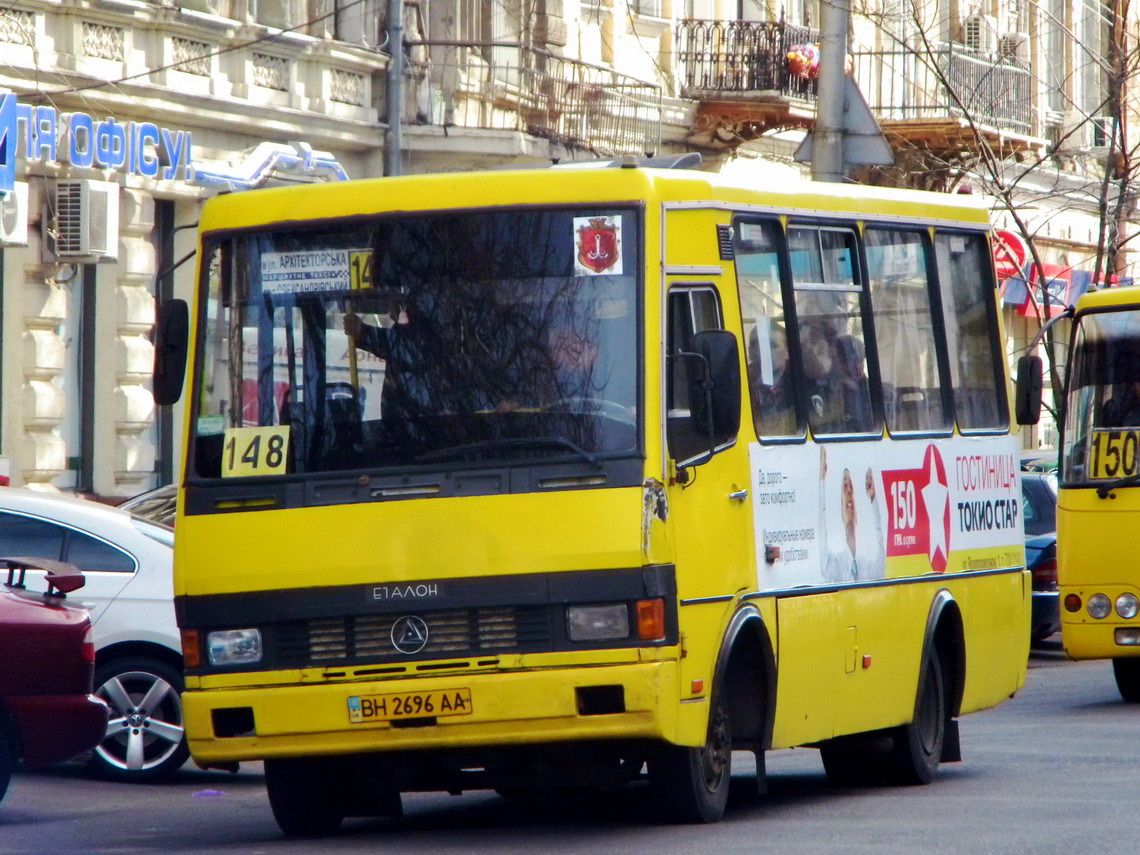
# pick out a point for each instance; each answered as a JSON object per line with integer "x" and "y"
{"x": 1102, "y": 422}
{"x": 157, "y": 506}
{"x": 426, "y": 341}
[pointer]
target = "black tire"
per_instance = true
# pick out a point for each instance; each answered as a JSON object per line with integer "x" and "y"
{"x": 690, "y": 785}
{"x": 1127, "y": 674}
{"x": 917, "y": 748}
{"x": 303, "y": 794}
{"x": 7, "y": 763}
{"x": 146, "y": 737}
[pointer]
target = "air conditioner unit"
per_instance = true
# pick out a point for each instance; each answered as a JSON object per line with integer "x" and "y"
{"x": 14, "y": 216}
{"x": 1014, "y": 47}
{"x": 82, "y": 221}
{"x": 980, "y": 33}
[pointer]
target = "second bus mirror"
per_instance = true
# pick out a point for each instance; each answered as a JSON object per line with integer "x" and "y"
{"x": 171, "y": 337}
{"x": 715, "y": 397}
{"x": 1027, "y": 394}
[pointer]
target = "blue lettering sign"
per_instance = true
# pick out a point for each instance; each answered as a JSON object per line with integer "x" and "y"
{"x": 81, "y": 145}
{"x": 9, "y": 131}
{"x": 144, "y": 157}
{"x": 110, "y": 145}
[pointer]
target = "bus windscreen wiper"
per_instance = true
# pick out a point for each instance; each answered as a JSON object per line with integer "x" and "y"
{"x": 1104, "y": 489}
{"x": 491, "y": 445}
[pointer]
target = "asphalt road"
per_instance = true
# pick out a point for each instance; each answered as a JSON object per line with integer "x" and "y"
{"x": 1051, "y": 771}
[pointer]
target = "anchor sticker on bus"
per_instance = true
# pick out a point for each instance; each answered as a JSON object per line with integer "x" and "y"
{"x": 597, "y": 242}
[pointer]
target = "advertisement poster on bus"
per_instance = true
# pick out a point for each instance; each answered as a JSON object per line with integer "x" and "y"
{"x": 858, "y": 512}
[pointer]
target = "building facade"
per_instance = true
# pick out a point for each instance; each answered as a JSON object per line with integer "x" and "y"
{"x": 119, "y": 117}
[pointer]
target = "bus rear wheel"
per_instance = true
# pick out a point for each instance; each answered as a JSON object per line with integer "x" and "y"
{"x": 690, "y": 785}
{"x": 303, "y": 796}
{"x": 917, "y": 748}
{"x": 1127, "y": 674}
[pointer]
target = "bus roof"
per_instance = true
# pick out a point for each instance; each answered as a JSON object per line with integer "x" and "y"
{"x": 545, "y": 186}
{"x": 1109, "y": 298}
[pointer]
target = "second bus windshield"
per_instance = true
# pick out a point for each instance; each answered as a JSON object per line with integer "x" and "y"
{"x": 489, "y": 336}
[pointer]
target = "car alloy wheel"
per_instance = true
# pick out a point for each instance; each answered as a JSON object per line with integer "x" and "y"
{"x": 145, "y": 734}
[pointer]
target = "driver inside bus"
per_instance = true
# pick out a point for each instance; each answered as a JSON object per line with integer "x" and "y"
{"x": 1123, "y": 408}
{"x": 397, "y": 343}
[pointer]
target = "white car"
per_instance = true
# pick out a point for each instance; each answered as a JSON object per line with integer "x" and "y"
{"x": 127, "y": 562}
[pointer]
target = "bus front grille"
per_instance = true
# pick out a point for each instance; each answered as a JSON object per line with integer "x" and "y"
{"x": 359, "y": 639}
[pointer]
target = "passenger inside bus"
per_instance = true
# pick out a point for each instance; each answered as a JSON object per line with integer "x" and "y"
{"x": 837, "y": 394}
{"x": 773, "y": 404}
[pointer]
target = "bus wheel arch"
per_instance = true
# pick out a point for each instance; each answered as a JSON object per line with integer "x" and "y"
{"x": 746, "y": 675}
{"x": 931, "y": 737}
{"x": 690, "y": 785}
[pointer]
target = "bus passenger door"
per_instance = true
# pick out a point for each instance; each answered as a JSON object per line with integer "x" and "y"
{"x": 708, "y": 497}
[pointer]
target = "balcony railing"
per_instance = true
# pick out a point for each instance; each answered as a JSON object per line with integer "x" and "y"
{"x": 951, "y": 81}
{"x": 719, "y": 58}
{"x": 509, "y": 86}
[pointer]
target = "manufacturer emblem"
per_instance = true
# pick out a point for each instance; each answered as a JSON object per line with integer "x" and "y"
{"x": 409, "y": 634}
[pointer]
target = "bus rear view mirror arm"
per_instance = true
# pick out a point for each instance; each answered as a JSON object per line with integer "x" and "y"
{"x": 1027, "y": 393}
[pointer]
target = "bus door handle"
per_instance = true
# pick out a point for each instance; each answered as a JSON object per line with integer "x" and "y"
{"x": 739, "y": 495}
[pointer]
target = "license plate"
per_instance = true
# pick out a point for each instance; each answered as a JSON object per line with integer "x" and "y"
{"x": 365, "y": 708}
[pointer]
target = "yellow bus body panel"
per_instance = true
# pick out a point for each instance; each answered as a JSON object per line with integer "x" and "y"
{"x": 1095, "y": 554}
{"x": 847, "y": 660}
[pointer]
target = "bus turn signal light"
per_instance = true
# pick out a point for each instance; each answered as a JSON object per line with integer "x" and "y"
{"x": 651, "y": 620}
{"x": 191, "y": 657}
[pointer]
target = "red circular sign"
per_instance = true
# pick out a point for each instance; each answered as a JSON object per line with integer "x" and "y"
{"x": 1010, "y": 253}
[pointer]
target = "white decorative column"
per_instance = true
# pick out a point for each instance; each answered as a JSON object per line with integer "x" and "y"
{"x": 133, "y": 406}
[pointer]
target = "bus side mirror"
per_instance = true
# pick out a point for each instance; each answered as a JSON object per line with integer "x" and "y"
{"x": 1027, "y": 393}
{"x": 715, "y": 391}
{"x": 171, "y": 336}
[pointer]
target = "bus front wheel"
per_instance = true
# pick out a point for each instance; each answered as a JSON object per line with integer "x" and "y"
{"x": 917, "y": 747}
{"x": 303, "y": 796}
{"x": 1127, "y": 673}
{"x": 690, "y": 785}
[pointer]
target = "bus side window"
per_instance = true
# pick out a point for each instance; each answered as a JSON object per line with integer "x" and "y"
{"x": 692, "y": 309}
{"x": 965, "y": 281}
{"x": 771, "y": 375}
{"x": 829, "y": 306}
{"x": 905, "y": 336}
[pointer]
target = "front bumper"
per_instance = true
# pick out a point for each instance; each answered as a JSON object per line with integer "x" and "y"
{"x": 516, "y": 708}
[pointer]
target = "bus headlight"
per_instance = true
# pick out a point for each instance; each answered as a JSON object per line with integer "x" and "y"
{"x": 1127, "y": 605}
{"x": 597, "y": 623}
{"x": 234, "y": 646}
{"x": 1099, "y": 606}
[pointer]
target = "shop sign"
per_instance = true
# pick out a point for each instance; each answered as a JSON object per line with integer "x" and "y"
{"x": 42, "y": 134}
{"x": 1010, "y": 254}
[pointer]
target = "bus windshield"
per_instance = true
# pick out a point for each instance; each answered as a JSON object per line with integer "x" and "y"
{"x": 1102, "y": 421}
{"x": 478, "y": 338}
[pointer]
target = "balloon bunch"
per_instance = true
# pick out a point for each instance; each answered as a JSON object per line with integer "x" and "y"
{"x": 803, "y": 61}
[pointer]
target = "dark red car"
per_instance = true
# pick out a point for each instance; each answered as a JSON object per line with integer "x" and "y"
{"x": 47, "y": 711}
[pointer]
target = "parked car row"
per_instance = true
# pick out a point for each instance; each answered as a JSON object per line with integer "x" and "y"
{"x": 127, "y": 563}
{"x": 1039, "y": 516}
{"x": 47, "y": 713}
